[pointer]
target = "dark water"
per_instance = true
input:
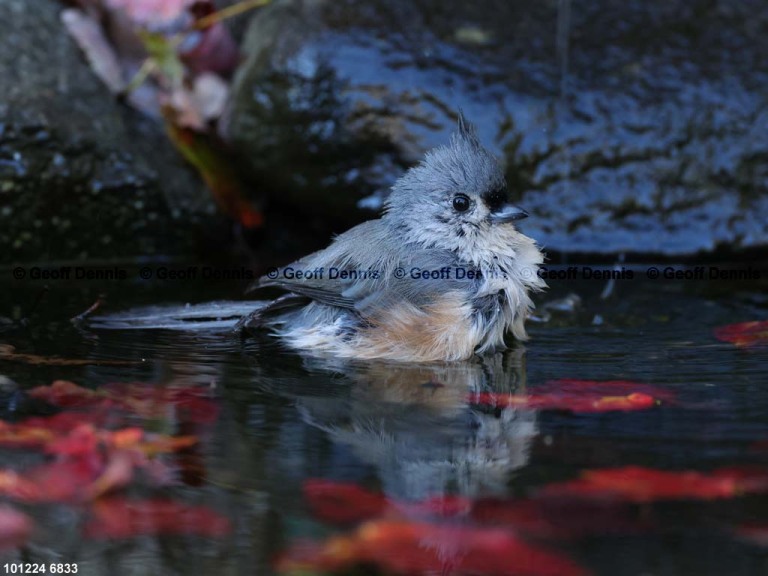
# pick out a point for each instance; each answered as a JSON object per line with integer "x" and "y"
{"x": 408, "y": 431}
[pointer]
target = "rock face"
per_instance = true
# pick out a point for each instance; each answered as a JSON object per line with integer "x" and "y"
{"x": 626, "y": 126}
{"x": 81, "y": 176}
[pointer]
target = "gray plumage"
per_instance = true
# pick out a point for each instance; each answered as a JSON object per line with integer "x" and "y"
{"x": 451, "y": 212}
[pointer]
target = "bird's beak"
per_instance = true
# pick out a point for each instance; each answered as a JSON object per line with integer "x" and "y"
{"x": 507, "y": 213}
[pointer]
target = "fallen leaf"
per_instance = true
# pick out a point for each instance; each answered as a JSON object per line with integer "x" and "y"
{"x": 89, "y": 462}
{"x": 748, "y": 479}
{"x": 580, "y": 396}
{"x": 180, "y": 57}
{"x": 154, "y": 444}
{"x": 605, "y": 388}
{"x": 13, "y": 485}
{"x": 83, "y": 441}
{"x": 117, "y": 473}
{"x": 437, "y": 507}
{"x": 342, "y": 503}
{"x": 65, "y": 422}
{"x": 61, "y": 481}
{"x": 121, "y": 518}
{"x": 212, "y": 50}
{"x": 24, "y": 437}
{"x": 744, "y": 334}
{"x": 89, "y": 36}
{"x": 186, "y": 403}
{"x": 15, "y": 528}
{"x": 640, "y": 485}
{"x": 753, "y": 532}
{"x": 402, "y": 547}
{"x": 66, "y": 394}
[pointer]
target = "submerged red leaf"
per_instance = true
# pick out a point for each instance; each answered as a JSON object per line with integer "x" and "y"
{"x": 638, "y": 484}
{"x": 439, "y": 506}
{"x": 117, "y": 473}
{"x": 748, "y": 479}
{"x": 86, "y": 440}
{"x": 347, "y": 503}
{"x": 89, "y": 462}
{"x": 753, "y": 532}
{"x": 401, "y": 547}
{"x": 582, "y": 396}
{"x": 120, "y": 518}
{"x": 153, "y": 444}
{"x": 744, "y": 334}
{"x": 13, "y": 485}
{"x": 211, "y": 50}
{"x": 15, "y": 528}
{"x": 61, "y": 481}
{"x": 342, "y": 503}
{"x": 67, "y": 394}
{"x": 65, "y": 422}
{"x": 147, "y": 401}
{"x": 24, "y": 437}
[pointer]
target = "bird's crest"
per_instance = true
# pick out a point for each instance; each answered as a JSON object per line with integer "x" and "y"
{"x": 466, "y": 130}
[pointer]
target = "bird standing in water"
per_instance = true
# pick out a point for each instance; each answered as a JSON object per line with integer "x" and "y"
{"x": 442, "y": 275}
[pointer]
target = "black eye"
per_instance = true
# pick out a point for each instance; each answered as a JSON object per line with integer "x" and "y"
{"x": 461, "y": 202}
{"x": 495, "y": 199}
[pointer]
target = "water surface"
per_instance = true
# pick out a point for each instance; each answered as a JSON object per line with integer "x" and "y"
{"x": 408, "y": 431}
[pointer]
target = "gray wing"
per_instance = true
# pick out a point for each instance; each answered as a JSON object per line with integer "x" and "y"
{"x": 366, "y": 270}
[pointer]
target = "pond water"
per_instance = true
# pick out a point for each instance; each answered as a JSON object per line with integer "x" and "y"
{"x": 420, "y": 449}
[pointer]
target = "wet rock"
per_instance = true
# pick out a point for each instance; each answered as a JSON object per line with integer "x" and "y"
{"x": 625, "y": 126}
{"x": 81, "y": 176}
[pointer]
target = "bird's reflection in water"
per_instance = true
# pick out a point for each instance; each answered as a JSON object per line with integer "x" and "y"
{"x": 416, "y": 425}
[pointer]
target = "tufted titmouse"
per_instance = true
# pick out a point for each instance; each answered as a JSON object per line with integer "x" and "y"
{"x": 443, "y": 274}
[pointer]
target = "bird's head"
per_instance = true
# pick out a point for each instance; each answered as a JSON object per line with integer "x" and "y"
{"x": 455, "y": 199}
